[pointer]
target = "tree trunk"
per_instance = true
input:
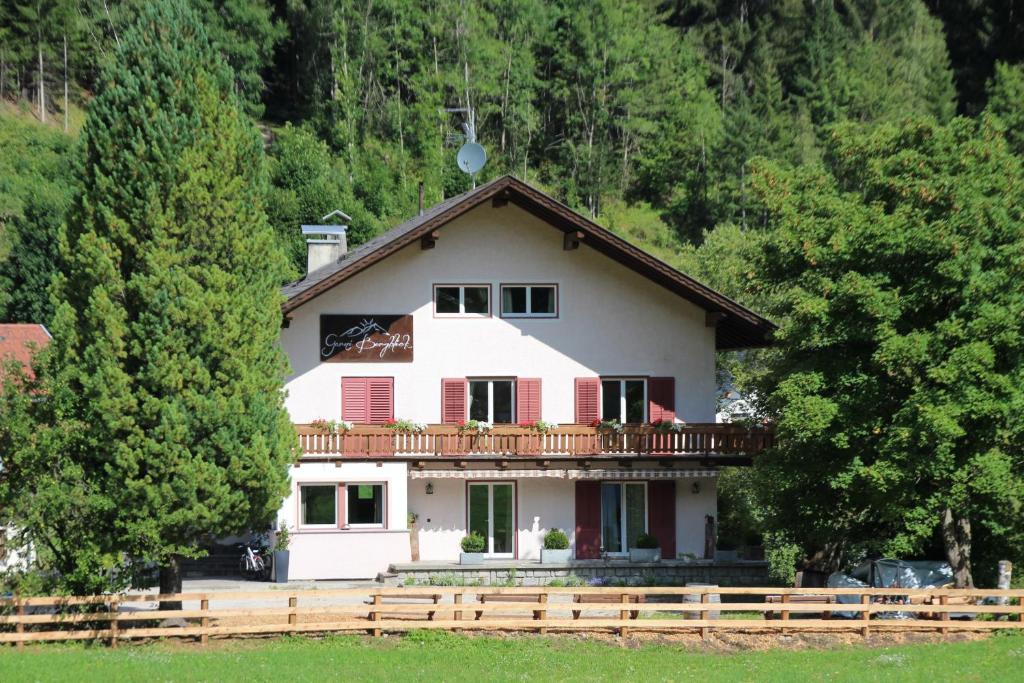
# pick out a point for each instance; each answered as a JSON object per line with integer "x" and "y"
{"x": 67, "y": 106}
{"x": 956, "y": 536}
{"x": 42, "y": 87}
{"x": 170, "y": 582}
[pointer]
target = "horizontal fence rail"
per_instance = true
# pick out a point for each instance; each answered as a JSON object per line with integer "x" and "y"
{"x": 566, "y": 440}
{"x": 375, "y": 610}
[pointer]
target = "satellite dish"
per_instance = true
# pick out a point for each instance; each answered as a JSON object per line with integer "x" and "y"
{"x": 471, "y": 158}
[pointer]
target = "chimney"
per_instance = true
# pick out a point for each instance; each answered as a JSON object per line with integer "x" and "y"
{"x": 320, "y": 252}
{"x": 328, "y": 244}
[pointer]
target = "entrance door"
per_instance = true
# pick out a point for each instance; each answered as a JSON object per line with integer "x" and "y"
{"x": 492, "y": 515}
{"x": 623, "y": 516}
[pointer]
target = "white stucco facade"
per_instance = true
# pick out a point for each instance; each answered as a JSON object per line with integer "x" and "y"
{"x": 611, "y": 322}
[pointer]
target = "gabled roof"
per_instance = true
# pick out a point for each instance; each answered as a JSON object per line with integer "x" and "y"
{"x": 18, "y": 341}
{"x": 736, "y": 326}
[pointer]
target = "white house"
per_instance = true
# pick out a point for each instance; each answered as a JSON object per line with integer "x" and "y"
{"x": 504, "y": 306}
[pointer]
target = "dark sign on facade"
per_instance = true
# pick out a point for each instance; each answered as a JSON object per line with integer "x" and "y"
{"x": 369, "y": 338}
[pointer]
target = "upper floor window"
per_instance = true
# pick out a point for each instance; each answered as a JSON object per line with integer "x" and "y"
{"x": 458, "y": 300}
{"x": 492, "y": 400}
{"x": 529, "y": 301}
{"x": 624, "y": 399}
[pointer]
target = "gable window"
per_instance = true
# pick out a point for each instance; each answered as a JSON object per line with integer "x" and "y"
{"x": 529, "y": 301}
{"x": 624, "y": 399}
{"x": 460, "y": 300}
{"x": 319, "y": 505}
{"x": 492, "y": 400}
{"x": 365, "y": 505}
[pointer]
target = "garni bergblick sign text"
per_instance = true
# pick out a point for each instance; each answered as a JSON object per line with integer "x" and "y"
{"x": 366, "y": 338}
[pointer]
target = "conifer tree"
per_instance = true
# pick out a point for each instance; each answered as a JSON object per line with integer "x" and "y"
{"x": 168, "y": 309}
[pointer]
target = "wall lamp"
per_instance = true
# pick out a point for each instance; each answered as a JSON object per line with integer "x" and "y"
{"x": 430, "y": 488}
{"x": 695, "y": 488}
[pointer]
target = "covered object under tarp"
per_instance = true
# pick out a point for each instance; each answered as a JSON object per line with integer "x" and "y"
{"x": 890, "y": 573}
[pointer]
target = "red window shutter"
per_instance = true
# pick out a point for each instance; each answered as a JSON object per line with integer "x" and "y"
{"x": 527, "y": 400}
{"x": 354, "y": 393}
{"x": 380, "y": 399}
{"x": 661, "y": 515}
{"x": 453, "y": 400}
{"x": 588, "y": 400}
{"x": 661, "y": 396}
{"x": 588, "y": 520}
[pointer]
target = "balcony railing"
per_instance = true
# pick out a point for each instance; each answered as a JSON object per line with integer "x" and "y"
{"x": 511, "y": 441}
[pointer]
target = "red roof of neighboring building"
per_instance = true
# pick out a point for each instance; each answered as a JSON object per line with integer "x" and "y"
{"x": 20, "y": 340}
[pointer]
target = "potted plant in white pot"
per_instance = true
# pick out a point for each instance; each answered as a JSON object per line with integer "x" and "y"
{"x": 281, "y": 555}
{"x": 556, "y": 548}
{"x": 647, "y": 549}
{"x": 472, "y": 549}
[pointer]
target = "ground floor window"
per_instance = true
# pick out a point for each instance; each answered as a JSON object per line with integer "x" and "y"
{"x": 318, "y": 503}
{"x": 624, "y": 400}
{"x": 365, "y": 505}
{"x": 350, "y": 505}
{"x": 492, "y": 515}
{"x": 623, "y": 515}
{"x": 492, "y": 400}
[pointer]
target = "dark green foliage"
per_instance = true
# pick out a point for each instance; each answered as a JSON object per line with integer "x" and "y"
{"x": 473, "y": 543}
{"x": 167, "y": 311}
{"x": 1006, "y": 101}
{"x": 35, "y": 191}
{"x": 647, "y": 542}
{"x": 556, "y": 540}
{"x": 897, "y": 383}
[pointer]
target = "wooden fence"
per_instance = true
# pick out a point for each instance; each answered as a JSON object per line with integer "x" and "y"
{"x": 542, "y": 609}
{"x": 511, "y": 440}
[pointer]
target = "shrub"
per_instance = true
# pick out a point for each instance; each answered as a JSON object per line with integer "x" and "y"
{"x": 556, "y": 540}
{"x": 647, "y": 542}
{"x": 473, "y": 543}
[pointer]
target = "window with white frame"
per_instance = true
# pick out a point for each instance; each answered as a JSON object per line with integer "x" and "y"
{"x": 529, "y": 301}
{"x": 462, "y": 300}
{"x": 492, "y": 400}
{"x": 365, "y": 505}
{"x": 624, "y": 399}
{"x": 318, "y": 505}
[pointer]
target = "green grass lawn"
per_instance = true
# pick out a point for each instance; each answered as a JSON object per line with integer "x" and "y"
{"x": 433, "y": 656}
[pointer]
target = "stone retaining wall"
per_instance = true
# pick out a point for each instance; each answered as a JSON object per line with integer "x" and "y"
{"x": 674, "y": 573}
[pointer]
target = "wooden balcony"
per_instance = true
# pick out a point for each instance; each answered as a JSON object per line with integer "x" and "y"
{"x": 720, "y": 442}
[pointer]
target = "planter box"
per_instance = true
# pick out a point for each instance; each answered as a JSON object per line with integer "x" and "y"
{"x": 644, "y": 554}
{"x": 471, "y": 558}
{"x": 281, "y": 558}
{"x": 727, "y": 555}
{"x": 555, "y": 556}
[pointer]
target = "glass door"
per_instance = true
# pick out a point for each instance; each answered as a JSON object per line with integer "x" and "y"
{"x": 623, "y": 516}
{"x": 492, "y": 515}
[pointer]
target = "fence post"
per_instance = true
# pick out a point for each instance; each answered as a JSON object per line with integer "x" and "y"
{"x": 20, "y": 627}
{"x": 204, "y": 622}
{"x": 376, "y": 615}
{"x": 865, "y": 615}
{"x": 113, "y": 623}
{"x": 785, "y": 612}
{"x": 543, "y": 614}
{"x": 623, "y": 615}
{"x": 1003, "y": 584}
{"x": 704, "y": 615}
{"x": 293, "y": 617}
{"x": 458, "y": 601}
{"x": 944, "y": 600}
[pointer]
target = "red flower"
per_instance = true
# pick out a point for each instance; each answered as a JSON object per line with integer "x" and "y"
{"x": 595, "y": 423}
{"x": 391, "y": 422}
{"x": 461, "y": 423}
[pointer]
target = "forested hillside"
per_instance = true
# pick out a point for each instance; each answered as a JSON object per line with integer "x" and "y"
{"x": 851, "y": 168}
{"x": 642, "y": 114}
